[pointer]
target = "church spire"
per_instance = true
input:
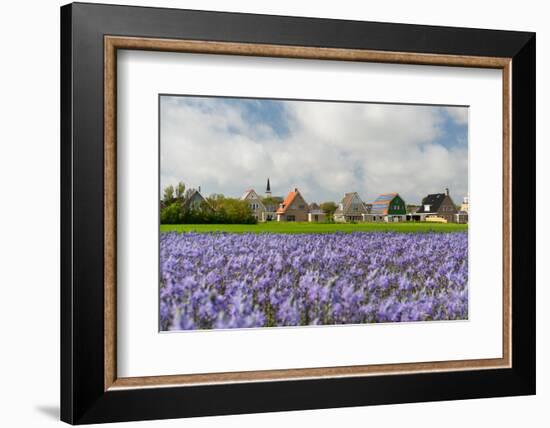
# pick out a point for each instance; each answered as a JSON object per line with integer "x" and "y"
{"x": 268, "y": 188}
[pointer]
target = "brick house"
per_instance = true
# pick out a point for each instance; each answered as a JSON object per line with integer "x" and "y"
{"x": 293, "y": 208}
{"x": 437, "y": 205}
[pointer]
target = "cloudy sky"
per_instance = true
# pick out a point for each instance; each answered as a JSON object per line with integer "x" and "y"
{"x": 227, "y": 145}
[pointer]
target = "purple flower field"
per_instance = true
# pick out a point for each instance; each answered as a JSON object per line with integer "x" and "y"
{"x": 226, "y": 280}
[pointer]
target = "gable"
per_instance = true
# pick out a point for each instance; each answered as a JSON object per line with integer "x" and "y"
{"x": 294, "y": 201}
{"x": 351, "y": 204}
{"x": 447, "y": 206}
{"x": 196, "y": 201}
{"x": 252, "y": 195}
{"x": 298, "y": 203}
{"x": 397, "y": 206}
{"x": 356, "y": 205}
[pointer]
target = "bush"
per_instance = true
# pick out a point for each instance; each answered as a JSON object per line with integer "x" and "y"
{"x": 228, "y": 211}
{"x": 172, "y": 214}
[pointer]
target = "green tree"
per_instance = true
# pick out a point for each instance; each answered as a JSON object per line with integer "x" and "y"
{"x": 168, "y": 196}
{"x": 216, "y": 209}
{"x": 216, "y": 201}
{"x": 236, "y": 211}
{"x": 329, "y": 208}
{"x": 180, "y": 190}
{"x": 188, "y": 193}
{"x": 172, "y": 214}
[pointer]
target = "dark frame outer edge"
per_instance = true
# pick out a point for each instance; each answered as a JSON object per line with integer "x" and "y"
{"x": 524, "y": 196}
{"x": 66, "y": 315}
{"x": 83, "y": 399}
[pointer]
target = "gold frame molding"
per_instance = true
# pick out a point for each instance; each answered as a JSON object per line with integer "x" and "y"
{"x": 113, "y": 43}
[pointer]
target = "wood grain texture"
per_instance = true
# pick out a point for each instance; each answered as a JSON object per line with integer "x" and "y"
{"x": 110, "y": 221}
{"x": 112, "y": 43}
{"x": 308, "y": 373}
{"x": 300, "y": 52}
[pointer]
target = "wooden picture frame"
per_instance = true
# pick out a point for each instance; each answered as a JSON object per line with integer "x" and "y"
{"x": 91, "y": 390}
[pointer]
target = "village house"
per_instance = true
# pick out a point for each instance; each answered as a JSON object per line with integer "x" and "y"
{"x": 194, "y": 201}
{"x": 255, "y": 204}
{"x": 437, "y": 206}
{"x": 388, "y": 207}
{"x": 465, "y": 204}
{"x": 293, "y": 208}
{"x": 352, "y": 208}
{"x": 463, "y": 214}
{"x": 316, "y": 214}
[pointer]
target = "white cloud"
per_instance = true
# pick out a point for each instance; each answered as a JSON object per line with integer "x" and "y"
{"x": 459, "y": 114}
{"x": 330, "y": 148}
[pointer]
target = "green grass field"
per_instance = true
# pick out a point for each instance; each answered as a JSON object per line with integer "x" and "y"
{"x": 291, "y": 227}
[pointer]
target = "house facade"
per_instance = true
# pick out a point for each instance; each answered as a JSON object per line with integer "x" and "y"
{"x": 316, "y": 214}
{"x": 351, "y": 208}
{"x": 388, "y": 207}
{"x": 293, "y": 208}
{"x": 437, "y": 205}
{"x": 257, "y": 208}
{"x": 465, "y": 204}
{"x": 464, "y": 213}
{"x": 194, "y": 201}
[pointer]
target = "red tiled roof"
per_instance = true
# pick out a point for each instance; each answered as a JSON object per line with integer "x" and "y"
{"x": 287, "y": 202}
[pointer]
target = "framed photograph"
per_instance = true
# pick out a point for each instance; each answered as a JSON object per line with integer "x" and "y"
{"x": 265, "y": 213}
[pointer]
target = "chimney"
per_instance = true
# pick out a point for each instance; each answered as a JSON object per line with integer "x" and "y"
{"x": 447, "y": 191}
{"x": 295, "y": 190}
{"x": 199, "y": 189}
